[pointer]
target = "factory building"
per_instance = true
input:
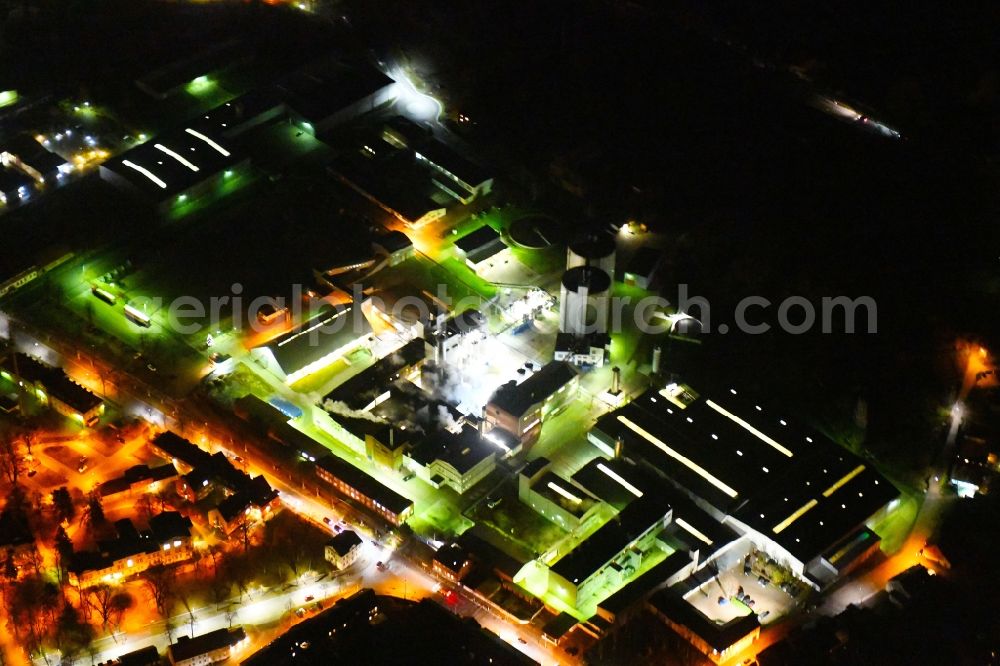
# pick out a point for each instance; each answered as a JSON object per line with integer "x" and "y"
{"x": 315, "y": 344}
{"x": 642, "y": 267}
{"x": 369, "y": 388}
{"x": 23, "y": 152}
{"x": 788, "y": 490}
{"x": 237, "y": 116}
{"x": 611, "y": 554}
{"x": 520, "y": 409}
{"x": 175, "y": 168}
{"x": 51, "y": 386}
{"x": 459, "y": 176}
{"x": 192, "y": 73}
{"x": 593, "y": 349}
{"x": 447, "y": 335}
{"x": 584, "y": 301}
{"x": 559, "y": 500}
{"x": 718, "y": 641}
{"x": 327, "y": 93}
{"x": 452, "y": 167}
{"x": 15, "y": 186}
{"x": 395, "y": 245}
{"x": 364, "y": 489}
{"x": 384, "y": 443}
{"x": 458, "y": 460}
{"x": 409, "y": 174}
{"x": 595, "y": 250}
{"x": 477, "y": 248}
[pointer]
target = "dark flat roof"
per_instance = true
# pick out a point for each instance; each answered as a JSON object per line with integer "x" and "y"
{"x": 325, "y": 87}
{"x": 518, "y": 398}
{"x": 645, "y": 261}
{"x": 603, "y": 485}
{"x": 718, "y": 636}
{"x": 449, "y": 159}
{"x": 574, "y": 507}
{"x": 203, "y": 159}
{"x": 72, "y": 394}
{"x": 364, "y": 484}
{"x": 747, "y": 460}
{"x": 646, "y": 583}
{"x": 55, "y": 381}
{"x": 483, "y": 237}
{"x": 393, "y": 241}
{"x": 328, "y": 331}
{"x": 166, "y": 78}
{"x": 407, "y": 633}
{"x": 358, "y": 391}
{"x": 559, "y": 626}
{"x": 463, "y": 322}
{"x": 463, "y": 450}
{"x": 604, "y": 544}
{"x": 535, "y": 466}
{"x": 224, "y": 118}
{"x": 11, "y": 180}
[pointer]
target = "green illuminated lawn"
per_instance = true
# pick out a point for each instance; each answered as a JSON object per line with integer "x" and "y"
{"x": 896, "y": 526}
{"x": 439, "y": 519}
{"x": 465, "y": 280}
{"x": 317, "y": 381}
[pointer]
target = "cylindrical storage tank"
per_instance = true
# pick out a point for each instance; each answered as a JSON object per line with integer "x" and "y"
{"x": 584, "y": 301}
{"x": 597, "y": 250}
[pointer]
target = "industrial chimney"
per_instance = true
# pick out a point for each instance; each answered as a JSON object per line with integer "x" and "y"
{"x": 616, "y": 380}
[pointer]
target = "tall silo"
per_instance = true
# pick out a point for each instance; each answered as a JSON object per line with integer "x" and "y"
{"x": 584, "y": 301}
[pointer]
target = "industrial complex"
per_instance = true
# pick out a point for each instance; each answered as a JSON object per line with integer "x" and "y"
{"x": 324, "y": 326}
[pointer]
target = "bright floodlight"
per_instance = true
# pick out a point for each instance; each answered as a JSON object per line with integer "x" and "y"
{"x": 415, "y": 103}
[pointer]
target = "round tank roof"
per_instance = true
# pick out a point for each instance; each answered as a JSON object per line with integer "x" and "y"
{"x": 594, "y": 279}
{"x": 594, "y": 246}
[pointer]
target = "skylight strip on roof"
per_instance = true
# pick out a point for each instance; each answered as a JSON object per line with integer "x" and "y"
{"x": 145, "y": 172}
{"x": 761, "y": 436}
{"x": 314, "y": 327}
{"x": 565, "y": 493}
{"x": 843, "y": 481}
{"x": 614, "y": 475}
{"x": 692, "y": 530}
{"x": 222, "y": 151}
{"x": 795, "y": 516}
{"x": 180, "y": 158}
{"x": 684, "y": 460}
